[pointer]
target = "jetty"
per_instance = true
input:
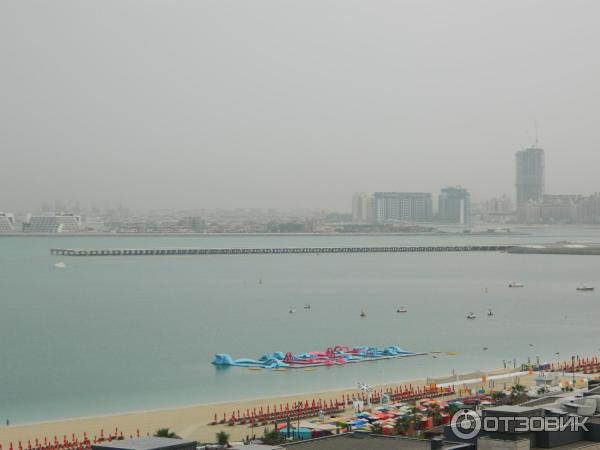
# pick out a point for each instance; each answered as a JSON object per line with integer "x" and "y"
{"x": 559, "y": 248}
{"x": 270, "y": 251}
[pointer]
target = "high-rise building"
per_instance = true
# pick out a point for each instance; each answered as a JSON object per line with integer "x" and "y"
{"x": 454, "y": 205}
{"x": 362, "y": 207}
{"x": 402, "y": 206}
{"x": 530, "y": 181}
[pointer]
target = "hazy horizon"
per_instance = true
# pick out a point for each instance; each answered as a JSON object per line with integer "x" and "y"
{"x": 274, "y": 104}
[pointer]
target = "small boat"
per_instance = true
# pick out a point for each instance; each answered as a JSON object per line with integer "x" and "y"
{"x": 514, "y": 284}
{"x": 471, "y": 316}
{"x": 402, "y": 309}
{"x": 307, "y": 306}
{"x": 292, "y": 310}
{"x": 363, "y": 314}
{"x": 260, "y": 281}
{"x": 60, "y": 265}
{"x": 585, "y": 287}
{"x": 490, "y": 312}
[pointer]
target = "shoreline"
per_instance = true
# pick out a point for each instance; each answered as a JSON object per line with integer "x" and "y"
{"x": 490, "y": 372}
{"x": 192, "y": 421}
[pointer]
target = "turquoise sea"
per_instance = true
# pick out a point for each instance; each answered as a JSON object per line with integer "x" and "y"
{"x": 115, "y": 334}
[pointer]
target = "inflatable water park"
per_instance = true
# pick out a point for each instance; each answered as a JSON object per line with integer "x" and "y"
{"x": 333, "y": 356}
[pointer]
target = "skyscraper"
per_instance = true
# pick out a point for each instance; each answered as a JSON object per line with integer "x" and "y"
{"x": 530, "y": 181}
{"x": 454, "y": 205}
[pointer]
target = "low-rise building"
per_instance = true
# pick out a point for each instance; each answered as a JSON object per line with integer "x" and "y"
{"x": 7, "y": 221}
{"x": 57, "y": 223}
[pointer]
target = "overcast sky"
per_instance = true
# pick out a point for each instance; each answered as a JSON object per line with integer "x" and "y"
{"x": 191, "y": 104}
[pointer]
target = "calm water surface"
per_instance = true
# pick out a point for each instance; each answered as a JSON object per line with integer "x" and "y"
{"x": 116, "y": 334}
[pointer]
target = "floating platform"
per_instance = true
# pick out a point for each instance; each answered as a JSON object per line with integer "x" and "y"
{"x": 333, "y": 356}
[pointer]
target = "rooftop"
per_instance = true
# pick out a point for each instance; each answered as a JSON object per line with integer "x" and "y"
{"x": 145, "y": 443}
{"x": 363, "y": 441}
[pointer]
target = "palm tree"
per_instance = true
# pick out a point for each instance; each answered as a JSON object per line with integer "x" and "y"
{"x": 402, "y": 425}
{"x": 223, "y": 438}
{"x": 272, "y": 437}
{"x": 166, "y": 433}
{"x": 408, "y": 423}
{"x": 517, "y": 393}
{"x": 376, "y": 428}
{"x": 436, "y": 414}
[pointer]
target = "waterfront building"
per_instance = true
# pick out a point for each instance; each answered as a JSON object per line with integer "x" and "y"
{"x": 7, "y": 222}
{"x": 530, "y": 175}
{"x": 402, "y": 206}
{"x": 454, "y": 205}
{"x": 362, "y": 207}
{"x": 495, "y": 210}
{"x": 498, "y": 205}
{"x": 57, "y": 223}
{"x": 553, "y": 208}
{"x": 588, "y": 209}
{"x": 192, "y": 224}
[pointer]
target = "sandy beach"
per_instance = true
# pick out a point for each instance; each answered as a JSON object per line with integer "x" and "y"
{"x": 192, "y": 422}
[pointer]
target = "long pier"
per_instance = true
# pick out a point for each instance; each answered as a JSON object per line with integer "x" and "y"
{"x": 270, "y": 251}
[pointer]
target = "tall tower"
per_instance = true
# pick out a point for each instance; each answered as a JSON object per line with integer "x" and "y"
{"x": 530, "y": 175}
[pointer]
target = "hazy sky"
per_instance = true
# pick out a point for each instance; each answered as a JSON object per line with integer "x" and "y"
{"x": 190, "y": 104}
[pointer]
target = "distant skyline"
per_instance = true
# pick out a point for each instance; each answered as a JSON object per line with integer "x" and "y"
{"x": 270, "y": 104}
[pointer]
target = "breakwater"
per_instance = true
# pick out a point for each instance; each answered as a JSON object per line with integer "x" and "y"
{"x": 269, "y": 251}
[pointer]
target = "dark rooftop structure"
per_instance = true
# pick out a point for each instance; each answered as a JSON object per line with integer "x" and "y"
{"x": 365, "y": 441}
{"x": 147, "y": 443}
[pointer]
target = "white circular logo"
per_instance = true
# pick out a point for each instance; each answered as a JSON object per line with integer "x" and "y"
{"x": 466, "y": 424}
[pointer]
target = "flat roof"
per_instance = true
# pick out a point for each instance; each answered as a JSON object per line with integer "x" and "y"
{"x": 256, "y": 447}
{"x": 144, "y": 443}
{"x": 348, "y": 441}
{"x": 512, "y": 409}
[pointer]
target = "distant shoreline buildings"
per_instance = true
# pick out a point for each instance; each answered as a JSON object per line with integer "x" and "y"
{"x": 371, "y": 212}
{"x": 454, "y": 206}
{"x": 534, "y": 205}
